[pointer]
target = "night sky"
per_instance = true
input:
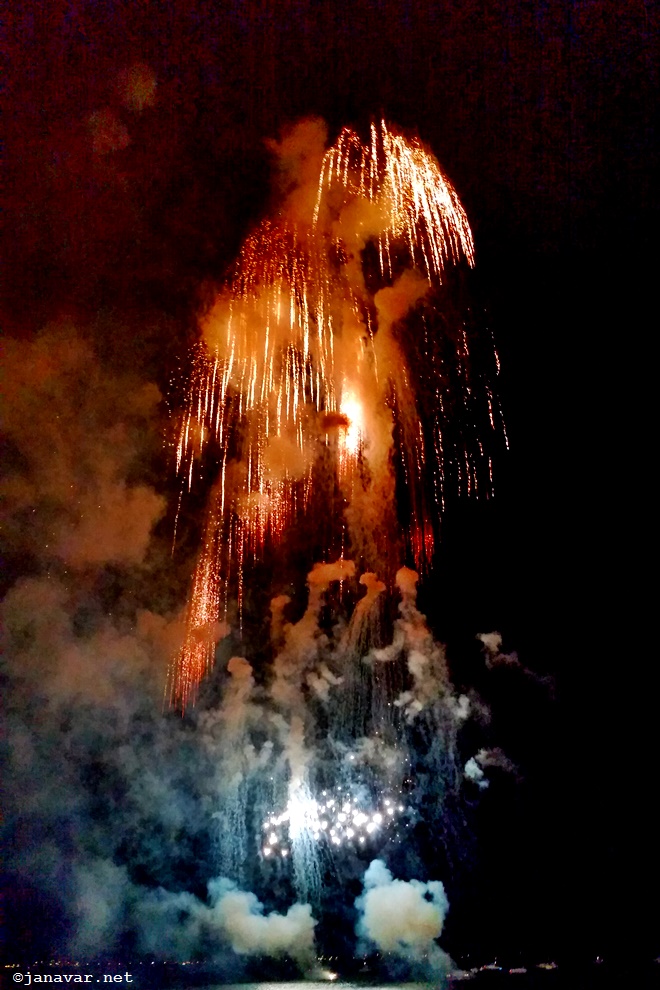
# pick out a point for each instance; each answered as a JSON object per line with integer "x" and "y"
{"x": 136, "y": 161}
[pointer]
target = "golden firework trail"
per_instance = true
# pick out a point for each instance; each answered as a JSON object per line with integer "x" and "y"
{"x": 298, "y": 356}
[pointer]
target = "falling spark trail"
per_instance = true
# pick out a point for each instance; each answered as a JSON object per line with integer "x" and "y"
{"x": 299, "y": 356}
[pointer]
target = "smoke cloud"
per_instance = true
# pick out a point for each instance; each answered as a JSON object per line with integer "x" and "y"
{"x": 403, "y": 917}
{"x": 224, "y": 834}
{"x": 180, "y": 926}
{"x": 253, "y": 933}
{"x": 231, "y": 917}
{"x": 497, "y": 660}
{"x": 77, "y": 435}
{"x": 298, "y": 156}
{"x": 485, "y": 759}
{"x": 100, "y": 798}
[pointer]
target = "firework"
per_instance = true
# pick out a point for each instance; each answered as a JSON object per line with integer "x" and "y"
{"x": 336, "y": 819}
{"x": 299, "y": 357}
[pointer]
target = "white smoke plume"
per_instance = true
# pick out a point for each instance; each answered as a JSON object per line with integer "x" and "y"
{"x": 252, "y": 932}
{"x": 425, "y": 657}
{"x": 180, "y": 926}
{"x": 474, "y": 772}
{"x": 403, "y": 917}
{"x": 364, "y": 624}
{"x": 232, "y": 917}
{"x": 496, "y": 659}
{"x": 303, "y": 641}
{"x": 486, "y": 758}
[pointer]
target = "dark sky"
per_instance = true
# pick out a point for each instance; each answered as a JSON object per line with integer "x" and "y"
{"x": 543, "y": 114}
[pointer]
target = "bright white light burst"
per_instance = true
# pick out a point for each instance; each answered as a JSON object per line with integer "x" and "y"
{"x": 335, "y": 820}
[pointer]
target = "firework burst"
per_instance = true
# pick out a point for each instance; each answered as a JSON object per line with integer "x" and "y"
{"x": 299, "y": 357}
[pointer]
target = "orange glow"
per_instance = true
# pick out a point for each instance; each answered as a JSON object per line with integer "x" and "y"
{"x": 297, "y": 355}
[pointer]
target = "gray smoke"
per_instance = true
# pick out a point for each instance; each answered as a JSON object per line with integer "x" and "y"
{"x": 108, "y": 800}
{"x": 140, "y": 830}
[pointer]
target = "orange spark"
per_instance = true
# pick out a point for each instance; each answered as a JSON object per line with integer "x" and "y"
{"x": 298, "y": 355}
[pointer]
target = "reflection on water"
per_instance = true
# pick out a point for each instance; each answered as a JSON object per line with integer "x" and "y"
{"x": 314, "y": 985}
{"x": 596, "y": 978}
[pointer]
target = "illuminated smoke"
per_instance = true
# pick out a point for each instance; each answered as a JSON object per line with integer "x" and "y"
{"x": 251, "y": 932}
{"x": 315, "y": 764}
{"x": 315, "y": 798}
{"x": 236, "y": 760}
{"x": 303, "y": 362}
{"x": 485, "y": 758}
{"x": 180, "y": 926}
{"x": 403, "y": 917}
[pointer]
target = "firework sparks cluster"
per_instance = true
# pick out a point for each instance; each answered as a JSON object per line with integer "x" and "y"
{"x": 336, "y": 819}
{"x": 299, "y": 357}
{"x": 415, "y": 200}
